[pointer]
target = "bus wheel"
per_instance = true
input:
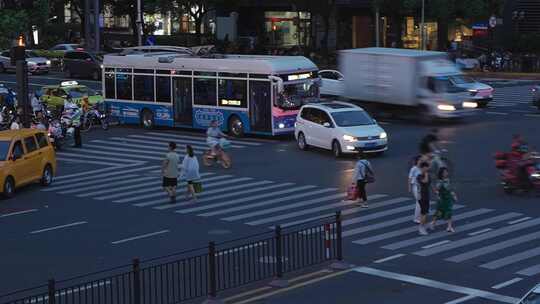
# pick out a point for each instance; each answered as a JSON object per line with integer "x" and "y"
{"x": 147, "y": 119}
{"x": 236, "y": 127}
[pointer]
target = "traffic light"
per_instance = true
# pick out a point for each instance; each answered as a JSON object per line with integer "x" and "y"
{"x": 18, "y": 52}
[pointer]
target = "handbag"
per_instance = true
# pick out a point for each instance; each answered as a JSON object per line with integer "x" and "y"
{"x": 369, "y": 176}
{"x": 197, "y": 186}
{"x": 352, "y": 193}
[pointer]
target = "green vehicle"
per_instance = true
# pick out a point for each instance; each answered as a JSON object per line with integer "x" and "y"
{"x": 55, "y": 95}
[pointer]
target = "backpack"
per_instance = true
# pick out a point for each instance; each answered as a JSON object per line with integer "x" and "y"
{"x": 369, "y": 176}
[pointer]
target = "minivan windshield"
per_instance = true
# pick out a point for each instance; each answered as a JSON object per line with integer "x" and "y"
{"x": 532, "y": 298}
{"x": 4, "y": 149}
{"x": 352, "y": 118}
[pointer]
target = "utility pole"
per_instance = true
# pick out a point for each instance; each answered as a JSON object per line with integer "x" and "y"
{"x": 97, "y": 22}
{"x": 18, "y": 57}
{"x": 139, "y": 23}
{"x": 377, "y": 27}
{"x": 87, "y": 30}
{"x": 422, "y": 26}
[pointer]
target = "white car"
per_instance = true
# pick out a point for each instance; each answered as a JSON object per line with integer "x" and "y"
{"x": 35, "y": 63}
{"x": 480, "y": 93}
{"x": 536, "y": 96}
{"x": 339, "y": 126}
{"x": 531, "y": 297}
{"x": 66, "y": 47}
{"x": 332, "y": 83}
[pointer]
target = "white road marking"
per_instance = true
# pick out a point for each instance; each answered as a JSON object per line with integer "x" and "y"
{"x": 86, "y": 173}
{"x": 18, "y": 213}
{"x": 479, "y": 232}
{"x": 436, "y": 244}
{"x": 507, "y": 283}
{"x": 138, "y": 237}
{"x": 244, "y": 142}
{"x": 393, "y": 257}
{"x": 58, "y": 227}
{"x": 496, "y": 113}
{"x": 461, "y": 300}
{"x": 436, "y": 284}
{"x": 532, "y": 115}
{"x": 530, "y": 271}
{"x": 518, "y": 257}
{"x": 90, "y": 174}
{"x": 92, "y": 162}
{"x": 520, "y": 220}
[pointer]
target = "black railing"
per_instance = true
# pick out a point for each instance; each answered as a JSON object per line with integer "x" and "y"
{"x": 197, "y": 273}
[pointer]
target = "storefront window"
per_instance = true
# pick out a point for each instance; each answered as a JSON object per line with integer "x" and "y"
{"x": 287, "y": 28}
{"x": 412, "y": 36}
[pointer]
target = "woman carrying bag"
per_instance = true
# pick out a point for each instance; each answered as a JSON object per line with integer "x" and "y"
{"x": 363, "y": 175}
{"x": 190, "y": 172}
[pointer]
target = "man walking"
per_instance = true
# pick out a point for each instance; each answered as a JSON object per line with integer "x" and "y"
{"x": 169, "y": 171}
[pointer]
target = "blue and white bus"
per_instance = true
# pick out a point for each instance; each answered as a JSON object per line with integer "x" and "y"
{"x": 245, "y": 94}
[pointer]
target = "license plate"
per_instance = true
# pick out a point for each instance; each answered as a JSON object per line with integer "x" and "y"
{"x": 371, "y": 144}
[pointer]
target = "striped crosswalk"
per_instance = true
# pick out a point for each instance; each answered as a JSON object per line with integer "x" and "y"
{"x": 140, "y": 148}
{"x": 486, "y": 238}
{"x": 511, "y": 96}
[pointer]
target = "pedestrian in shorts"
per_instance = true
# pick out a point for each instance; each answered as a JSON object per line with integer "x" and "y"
{"x": 361, "y": 170}
{"x": 169, "y": 171}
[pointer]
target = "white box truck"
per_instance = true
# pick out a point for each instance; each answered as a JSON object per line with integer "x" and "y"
{"x": 407, "y": 82}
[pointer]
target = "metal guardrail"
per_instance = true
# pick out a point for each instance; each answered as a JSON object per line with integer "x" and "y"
{"x": 199, "y": 272}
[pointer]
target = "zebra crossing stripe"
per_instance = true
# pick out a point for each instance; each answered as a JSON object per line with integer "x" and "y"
{"x": 148, "y": 187}
{"x": 152, "y": 143}
{"x": 107, "y": 185}
{"x": 530, "y": 271}
{"x": 396, "y": 221}
{"x": 478, "y": 238}
{"x": 380, "y": 214}
{"x": 159, "y": 193}
{"x": 130, "y": 150}
{"x": 148, "y": 147}
{"x": 205, "y": 193}
{"x": 89, "y": 175}
{"x": 222, "y": 196}
{"x": 90, "y": 162}
{"x": 518, "y": 257}
{"x": 288, "y": 206}
{"x": 441, "y": 234}
{"x": 121, "y": 156}
{"x": 270, "y": 202}
{"x": 184, "y": 142}
{"x": 70, "y": 185}
{"x": 244, "y": 199}
{"x": 494, "y": 247}
{"x": 121, "y": 161}
{"x": 243, "y": 142}
{"x": 350, "y": 210}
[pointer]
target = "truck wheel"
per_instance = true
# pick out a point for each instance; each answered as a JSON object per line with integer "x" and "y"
{"x": 336, "y": 149}
{"x": 9, "y": 187}
{"x": 147, "y": 119}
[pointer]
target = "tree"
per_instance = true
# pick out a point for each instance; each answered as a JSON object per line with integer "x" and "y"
{"x": 12, "y": 23}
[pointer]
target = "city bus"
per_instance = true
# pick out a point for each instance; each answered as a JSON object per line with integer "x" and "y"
{"x": 244, "y": 94}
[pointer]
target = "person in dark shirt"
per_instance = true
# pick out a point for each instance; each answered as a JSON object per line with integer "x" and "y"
{"x": 424, "y": 185}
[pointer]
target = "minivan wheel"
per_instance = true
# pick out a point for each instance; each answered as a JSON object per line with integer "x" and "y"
{"x": 47, "y": 177}
{"x": 9, "y": 187}
{"x": 336, "y": 149}
{"x": 302, "y": 142}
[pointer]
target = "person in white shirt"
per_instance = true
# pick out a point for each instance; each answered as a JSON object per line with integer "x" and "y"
{"x": 359, "y": 177}
{"x": 413, "y": 186}
{"x": 36, "y": 103}
{"x": 16, "y": 124}
{"x": 190, "y": 172}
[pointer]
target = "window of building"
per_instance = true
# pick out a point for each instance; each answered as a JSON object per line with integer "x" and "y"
{"x": 205, "y": 91}
{"x": 233, "y": 93}
{"x": 109, "y": 86}
{"x": 123, "y": 87}
{"x": 288, "y": 28}
{"x": 163, "y": 89}
{"x": 143, "y": 87}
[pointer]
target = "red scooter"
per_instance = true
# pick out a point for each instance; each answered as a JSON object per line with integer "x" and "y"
{"x": 518, "y": 173}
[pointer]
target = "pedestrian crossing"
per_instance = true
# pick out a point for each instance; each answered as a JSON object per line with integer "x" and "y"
{"x": 511, "y": 97}
{"x": 484, "y": 237}
{"x": 140, "y": 148}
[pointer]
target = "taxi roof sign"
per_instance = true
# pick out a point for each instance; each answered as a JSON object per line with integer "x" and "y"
{"x": 69, "y": 83}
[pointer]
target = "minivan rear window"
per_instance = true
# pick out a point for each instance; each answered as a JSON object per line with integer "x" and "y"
{"x": 4, "y": 149}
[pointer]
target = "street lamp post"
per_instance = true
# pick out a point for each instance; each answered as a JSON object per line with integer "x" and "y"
{"x": 139, "y": 23}
{"x": 422, "y": 25}
{"x": 377, "y": 28}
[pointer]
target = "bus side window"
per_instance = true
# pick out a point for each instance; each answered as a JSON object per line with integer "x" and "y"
{"x": 205, "y": 91}
{"x": 233, "y": 93}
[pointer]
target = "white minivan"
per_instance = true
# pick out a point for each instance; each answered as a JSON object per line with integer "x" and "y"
{"x": 339, "y": 126}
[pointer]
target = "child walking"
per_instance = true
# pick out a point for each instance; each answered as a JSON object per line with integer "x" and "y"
{"x": 446, "y": 201}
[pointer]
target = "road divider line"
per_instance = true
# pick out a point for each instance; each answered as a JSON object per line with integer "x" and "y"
{"x": 512, "y": 259}
{"x": 436, "y": 244}
{"x": 393, "y": 257}
{"x": 138, "y": 237}
{"x": 17, "y": 213}
{"x": 86, "y": 173}
{"x": 59, "y": 227}
{"x": 519, "y": 220}
{"x": 530, "y": 271}
{"x": 532, "y": 115}
{"x": 436, "y": 284}
{"x": 479, "y": 232}
{"x": 90, "y": 174}
{"x": 507, "y": 283}
{"x": 496, "y": 113}
{"x": 461, "y": 300}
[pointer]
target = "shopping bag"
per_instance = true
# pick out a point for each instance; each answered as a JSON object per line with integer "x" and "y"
{"x": 352, "y": 193}
{"x": 197, "y": 186}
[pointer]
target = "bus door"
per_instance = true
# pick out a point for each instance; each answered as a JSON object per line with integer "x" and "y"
{"x": 182, "y": 98}
{"x": 260, "y": 106}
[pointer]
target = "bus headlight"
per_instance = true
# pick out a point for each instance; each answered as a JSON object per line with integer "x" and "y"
{"x": 281, "y": 125}
{"x": 444, "y": 107}
{"x": 470, "y": 105}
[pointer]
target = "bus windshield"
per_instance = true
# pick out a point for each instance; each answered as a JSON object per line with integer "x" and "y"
{"x": 296, "y": 95}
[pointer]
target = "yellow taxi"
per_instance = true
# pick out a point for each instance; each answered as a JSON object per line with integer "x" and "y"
{"x": 26, "y": 156}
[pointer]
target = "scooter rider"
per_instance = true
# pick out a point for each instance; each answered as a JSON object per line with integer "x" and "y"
{"x": 213, "y": 138}
{"x": 37, "y": 106}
